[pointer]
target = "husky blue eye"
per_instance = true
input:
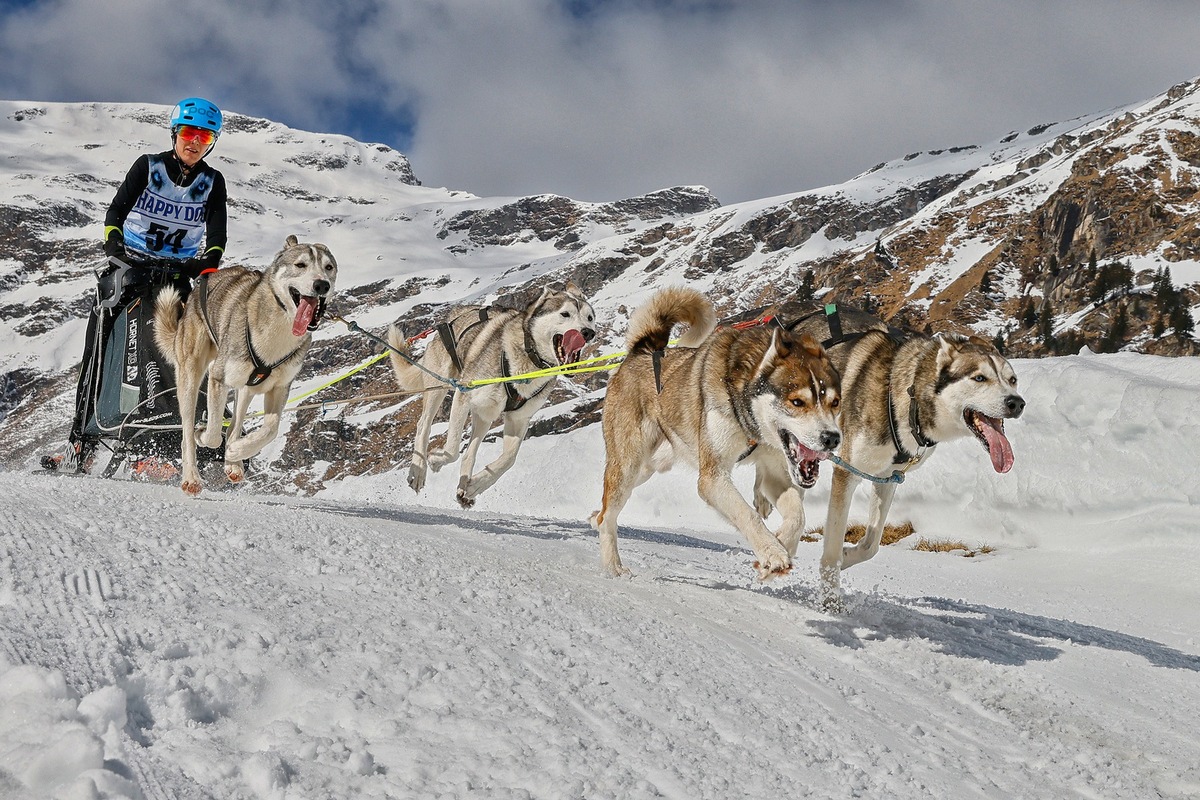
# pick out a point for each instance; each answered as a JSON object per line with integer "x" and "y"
{"x": 980, "y": 378}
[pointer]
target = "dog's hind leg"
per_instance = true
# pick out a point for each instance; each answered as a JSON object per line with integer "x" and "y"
{"x": 448, "y": 452}
{"x": 634, "y": 449}
{"x": 619, "y": 483}
{"x": 431, "y": 404}
{"x": 187, "y": 386}
{"x": 868, "y": 546}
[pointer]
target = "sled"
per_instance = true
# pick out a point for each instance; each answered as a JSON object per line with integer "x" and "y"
{"x": 128, "y": 398}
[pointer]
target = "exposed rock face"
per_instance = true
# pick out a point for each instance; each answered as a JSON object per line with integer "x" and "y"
{"x": 559, "y": 219}
{"x": 1048, "y": 240}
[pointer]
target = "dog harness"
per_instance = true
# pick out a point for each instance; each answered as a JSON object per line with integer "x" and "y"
{"x": 514, "y": 399}
{"x": 262, "y": 370}
{"x": 446, "y": 333}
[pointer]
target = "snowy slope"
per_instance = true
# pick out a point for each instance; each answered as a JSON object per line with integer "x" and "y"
{"x": 371, "y": 644}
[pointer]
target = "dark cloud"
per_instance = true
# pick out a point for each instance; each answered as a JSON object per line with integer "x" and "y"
{"x": 602, "y": 99}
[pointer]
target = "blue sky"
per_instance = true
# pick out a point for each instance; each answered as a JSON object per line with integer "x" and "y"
{"x": 606, "y": 99}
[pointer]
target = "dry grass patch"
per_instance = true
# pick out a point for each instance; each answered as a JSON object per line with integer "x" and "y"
{"x": 891, "y": 533}
{"x": 951, "y": 546}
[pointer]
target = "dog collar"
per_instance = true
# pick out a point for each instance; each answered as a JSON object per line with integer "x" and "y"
{"x": 514, "y": 399}
{"x": 914, "y": 422}
{"x": 531, "y": 351}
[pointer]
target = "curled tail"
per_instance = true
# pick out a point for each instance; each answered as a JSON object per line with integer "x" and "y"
{"x": 407, "y": 376}
{"x": 650, "y": 327}
{"x": 167, "y": 311}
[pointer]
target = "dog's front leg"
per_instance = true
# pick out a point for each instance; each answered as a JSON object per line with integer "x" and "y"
{"x": 716, "y": 487}
{"x": 233, "y": 467}
{"x": 868, "y": 546}
{"x": 773, "y": 487}
{"x": 762, "y": 504}
{"x": 833, "y": 550}
{"x": 210, "y": 434}
{"x": 248, "y": 446}
{"x": 515, "y": 426}
{"x": 480, "y": 423}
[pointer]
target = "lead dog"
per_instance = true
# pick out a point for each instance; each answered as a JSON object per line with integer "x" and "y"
{"x": 757, "y": 396}
{"x": 490, "y": 343}
{"x": 903, "y": 394}
{"x": 250, "y": 330}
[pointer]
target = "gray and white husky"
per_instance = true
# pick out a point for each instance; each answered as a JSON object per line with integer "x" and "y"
{"x": 250, "y": 330}
{"x": 490, "y": 343}
{"x": 902, "y": 395}
{"x": 758, "y": 396}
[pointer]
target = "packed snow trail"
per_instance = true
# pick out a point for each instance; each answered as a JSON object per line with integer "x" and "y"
{"x": 244, "y": 646}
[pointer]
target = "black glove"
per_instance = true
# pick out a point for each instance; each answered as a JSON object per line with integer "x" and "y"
{"x": 212, "y": 259}
{"x": 192, "y": 267}
{"x": 114, "y": 245}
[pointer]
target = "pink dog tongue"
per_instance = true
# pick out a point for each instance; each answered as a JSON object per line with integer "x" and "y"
{"x": 806, "y": 454}
{"x": 304, "y": 315}
{"x": 572, "y": 343}
{"x": 998, "y": 447}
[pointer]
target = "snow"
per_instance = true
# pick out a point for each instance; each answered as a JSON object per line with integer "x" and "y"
{"x": 371, "y": 643}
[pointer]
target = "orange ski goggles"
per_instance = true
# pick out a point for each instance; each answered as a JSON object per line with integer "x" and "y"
{"x": 201, "y": 136}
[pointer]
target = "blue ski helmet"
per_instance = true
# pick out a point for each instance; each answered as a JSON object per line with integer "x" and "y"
{"x": 197, "y": 112}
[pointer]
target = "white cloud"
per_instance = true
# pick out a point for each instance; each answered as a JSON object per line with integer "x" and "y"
{"x": 750, "y": 98}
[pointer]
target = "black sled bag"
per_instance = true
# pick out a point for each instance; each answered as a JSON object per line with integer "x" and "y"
{"x": 136, "y": 391}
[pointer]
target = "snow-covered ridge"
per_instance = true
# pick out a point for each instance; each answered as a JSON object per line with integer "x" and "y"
{"x": 959, "y": 237}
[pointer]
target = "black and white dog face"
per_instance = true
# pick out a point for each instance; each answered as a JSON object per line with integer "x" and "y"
{"x": 561, "y": 323}
{"x": 976, "y": 388}
{"x": 304, "y": 275}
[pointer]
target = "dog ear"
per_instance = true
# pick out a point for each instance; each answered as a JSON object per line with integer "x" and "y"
{"x": 291, "y": 240}
{"x": 781, "y": 347}
{"x": 573, "y": 290}
{"x": 949, "y": 345}
{"x": 532, "y": 309}
{"x": 811, "y": 346}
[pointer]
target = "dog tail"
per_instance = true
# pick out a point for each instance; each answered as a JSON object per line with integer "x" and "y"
{"x": 407, "y": 375}
{"x": 650, "y": 327}
{"x": 167, "y": 311}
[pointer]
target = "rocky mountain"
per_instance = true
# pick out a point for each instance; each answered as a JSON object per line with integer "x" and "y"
{"x": 1068, "y": 234}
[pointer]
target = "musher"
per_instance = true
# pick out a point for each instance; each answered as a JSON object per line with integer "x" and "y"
{"x": 169, "y": 204}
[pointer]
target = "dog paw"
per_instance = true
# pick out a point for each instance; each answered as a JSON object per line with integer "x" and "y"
{"x": 440, "y": 458}
{"x": 235, "y": 472}
{"x": 615, "y": 570}
{"x": 833, "y": 603}
{"x": 774, "y": 564}
{"x": 465, "y": 499}
{"x": 209, "y": 437}
{"x": 416, "y": 479}
{"x": 191, "y": 488}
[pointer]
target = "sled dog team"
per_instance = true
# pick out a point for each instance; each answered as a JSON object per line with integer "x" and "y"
{"x": 782, "y": 397}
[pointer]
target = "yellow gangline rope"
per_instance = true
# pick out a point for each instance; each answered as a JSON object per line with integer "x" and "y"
{"x": 587, "y": 365}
